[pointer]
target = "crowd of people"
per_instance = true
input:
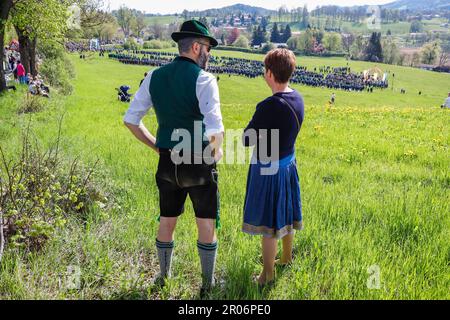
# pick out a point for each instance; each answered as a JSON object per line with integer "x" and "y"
{"x": 337, "y": 78}
{"x": 325, "y": 76}
{"x": 15, "y": 73}
{"x": 37, "y": 87}
{"x": 72, "y": 46}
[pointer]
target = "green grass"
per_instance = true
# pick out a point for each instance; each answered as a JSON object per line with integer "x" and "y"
{"x": 374, "y": 181}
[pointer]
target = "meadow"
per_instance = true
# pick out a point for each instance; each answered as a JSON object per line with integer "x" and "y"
{"x": 374, "y": 174}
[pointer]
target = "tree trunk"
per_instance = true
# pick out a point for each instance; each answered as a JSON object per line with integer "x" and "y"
{"x": 25, "y": 43}
{"x": 33, "y": 65}
{"x": 2, "y": 72}
{"x": 5, "y": 7}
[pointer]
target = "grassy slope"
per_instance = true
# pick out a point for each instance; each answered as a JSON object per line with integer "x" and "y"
{"x": 399, "y": 28}
{"x": 162, "y": 19}
{"x": 374, "y": 178}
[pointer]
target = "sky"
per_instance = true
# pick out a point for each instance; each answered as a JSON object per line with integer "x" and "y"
{"x": 177, "y": 6}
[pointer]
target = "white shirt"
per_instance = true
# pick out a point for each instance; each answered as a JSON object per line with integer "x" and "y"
{"x": 447, "y": 102}
{"x": 207, "y": 92}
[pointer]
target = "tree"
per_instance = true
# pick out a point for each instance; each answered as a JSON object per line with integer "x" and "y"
{"x": 287, "y": 33}
{"x": 140, "y": 25}
{"x": 255, "y": 39}
{"x": 443, "y": 58}
{"x": 125, "y": 19}
{"x": 430, "y": 52}
{"x": 305, "y": 17}
{"x": 44, "y": 19}
{"x": 374, "y": 50}
{"x": 306, "y": 41}
{"x": 88, "y": 18}
{"x": 347, "y": 41}
{"x": 204, "y": 21}
{"x": 264, "y": 23}
{"x": 332, "y": 42}
{"x": 157, "y": 30}
{"x": 275, "y": 34}
{"x": 391, "y": 52}
{"x": 292, "y": 43}
{"x": 415, "y": 60}
{"x": 5, "y": 7}
{"x": 416, "y": 27}
{"x": 233, "y": 36}
{"x": 318, "y": 34}
{"x": 357, "y": 48}
{"x": 258, "y": 37}
{"x": 106, "y": 32}
{"x": 241, "y": 42}
{"x": 185, "y": 14}
{"x": 92, "y": 13}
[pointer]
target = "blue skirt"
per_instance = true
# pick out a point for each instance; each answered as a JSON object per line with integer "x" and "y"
{"x": 273, "y": 206}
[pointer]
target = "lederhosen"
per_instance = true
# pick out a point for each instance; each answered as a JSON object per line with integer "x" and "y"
{"x": 173, "y": 92}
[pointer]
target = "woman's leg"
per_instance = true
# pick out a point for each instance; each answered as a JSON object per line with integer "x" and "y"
{"x": 269, "y": 249}
{"x": 286, "y": 256}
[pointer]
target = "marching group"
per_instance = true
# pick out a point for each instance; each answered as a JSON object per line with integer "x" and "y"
{"x": 325, "y": 77}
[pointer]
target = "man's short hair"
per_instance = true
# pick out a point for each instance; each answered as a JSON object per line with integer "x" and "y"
{"x": 184, "y": 45}
{"x": 282, "y": 63}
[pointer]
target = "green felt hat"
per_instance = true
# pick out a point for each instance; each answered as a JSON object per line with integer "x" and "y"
{"x": 194, "y": 28}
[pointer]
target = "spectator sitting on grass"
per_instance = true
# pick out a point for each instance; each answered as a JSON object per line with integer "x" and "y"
{"x": 37, "y": 87}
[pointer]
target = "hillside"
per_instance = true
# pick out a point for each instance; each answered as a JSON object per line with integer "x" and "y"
{"x": 418, "y": 5}
{"x": 235, "y": 9}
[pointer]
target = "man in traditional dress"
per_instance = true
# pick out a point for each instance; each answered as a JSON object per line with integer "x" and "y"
{"x": 186, "y": 100}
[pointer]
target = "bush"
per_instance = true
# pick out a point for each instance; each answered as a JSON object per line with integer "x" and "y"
{"x": 56, "y": 68}
{"x": 241, "y": 42}
{"x": 226, "y": 48}
{"x": 131, "y": 44}
{"x": 31, "y": 104}
{"x": 38, "y": 192}
{"x": 158, "y": 44}
{"x": 267, "y": 47}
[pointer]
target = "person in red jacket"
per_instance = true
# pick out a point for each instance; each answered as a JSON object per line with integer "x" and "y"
{"x": 21, "y": 72}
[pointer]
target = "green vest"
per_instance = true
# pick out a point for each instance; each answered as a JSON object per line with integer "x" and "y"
{"x": 174, "y": 97}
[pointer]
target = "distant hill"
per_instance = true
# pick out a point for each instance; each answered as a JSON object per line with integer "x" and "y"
{"x": 235, "y": 9}
{"x": 418, "y": 5}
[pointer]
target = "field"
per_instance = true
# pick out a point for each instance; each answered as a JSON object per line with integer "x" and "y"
{"x": 374, "y": 173}
{"x": 162, "y": 20}
{"x": 398, "y": 28}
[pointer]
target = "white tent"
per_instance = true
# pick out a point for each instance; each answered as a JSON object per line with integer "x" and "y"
{"x": 94, "y": 44}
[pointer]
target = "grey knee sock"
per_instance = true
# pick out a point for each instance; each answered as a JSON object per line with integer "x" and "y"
{"x": 165, "y": 250}
{"x": 207, "y": 253}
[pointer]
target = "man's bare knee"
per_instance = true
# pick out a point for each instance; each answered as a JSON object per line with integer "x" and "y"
{"x": 206, "y": 230}
{"x": 166, "y": 229}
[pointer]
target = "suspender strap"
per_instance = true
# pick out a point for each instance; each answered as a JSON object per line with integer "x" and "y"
{"x": 292, "y": 109}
